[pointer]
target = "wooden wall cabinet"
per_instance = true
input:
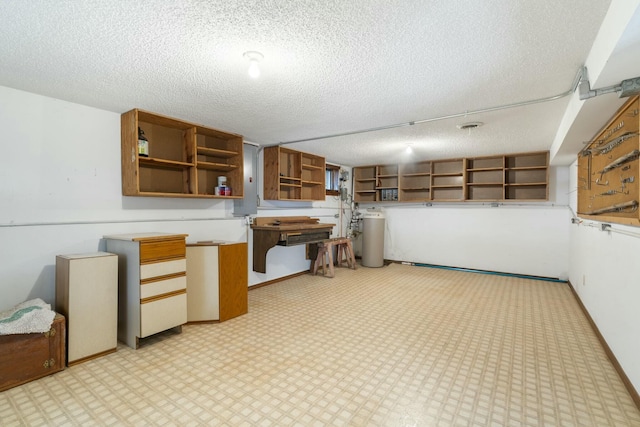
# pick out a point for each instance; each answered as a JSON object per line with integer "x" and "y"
{"x": 152, "y": 283}
{"x": 522, "y": 177}
{"x": 293, "y": 175}
{"x": 365, "y": 184}
{"x": 217, "y": 283}
{"x": 415, "y": 182}
{"x": 485, "y": 178}
{"x": 376, "y": 183}
{"x": 87, "y": 295}
{"x": 527, "y": 176}
{"x": 608, "y": 169}
{"x": 185, "y": 159}
{"x": 447, "y": 180}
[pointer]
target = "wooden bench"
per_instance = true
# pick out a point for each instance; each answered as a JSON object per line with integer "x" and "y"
{"x": 344, "y": 254}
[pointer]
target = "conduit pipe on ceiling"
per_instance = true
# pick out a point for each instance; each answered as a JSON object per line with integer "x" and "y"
{"x": 578, "y": 78}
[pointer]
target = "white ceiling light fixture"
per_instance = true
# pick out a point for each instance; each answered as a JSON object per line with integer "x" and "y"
{"x": 409, "y": 149}
{"x": 254, "y": 58}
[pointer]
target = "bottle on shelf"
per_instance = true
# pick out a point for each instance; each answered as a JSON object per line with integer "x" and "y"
{"x": 143, "y": 144}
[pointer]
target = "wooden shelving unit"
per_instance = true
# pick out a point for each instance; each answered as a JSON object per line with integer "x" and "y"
{"x": 185, "y": 159}
{"x": 522, "y": 177}
{"x": 415, "y": 182}
{"x": 609, "y": 170}
{"x": 447, "y": 180}
{"x": 387, "y": 183}
{"x": 313, "y": 177}
{"x": 485, "y": 178}
{"x": 293, "y": 175}
{"x": 527, "y": 177}
{"x": 364, "y": 182}
{"x": 376, "y": 183}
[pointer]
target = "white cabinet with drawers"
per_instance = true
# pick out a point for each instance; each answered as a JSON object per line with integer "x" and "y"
{"x": 152, "y": 283}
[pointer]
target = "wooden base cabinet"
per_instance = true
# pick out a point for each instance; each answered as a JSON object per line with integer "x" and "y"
{"x": 87, "y": 295}
{"x": 217, "y": 283}
{"x": 27, "y": 357}
{"x": 152, "y": 283}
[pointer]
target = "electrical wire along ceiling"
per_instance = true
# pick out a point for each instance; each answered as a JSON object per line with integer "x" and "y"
{"x": 325, "y": 68}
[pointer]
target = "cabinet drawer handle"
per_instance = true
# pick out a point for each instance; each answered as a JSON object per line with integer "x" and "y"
{"x": 50, "y": 333}
{"x": 49, "y": 363}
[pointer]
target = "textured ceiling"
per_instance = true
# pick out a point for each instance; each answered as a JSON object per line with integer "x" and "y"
{"x": 329, "y": 67}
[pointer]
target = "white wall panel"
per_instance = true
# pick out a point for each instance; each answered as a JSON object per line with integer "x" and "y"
{"x": 521, "y": 238}
{"x": 604, "y": 273}
{"x": 60, "y": 192}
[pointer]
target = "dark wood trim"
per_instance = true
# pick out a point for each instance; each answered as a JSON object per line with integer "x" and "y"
{"x": 163, "y": 296}
{"x": 281, "y": 279}
{"x": 623, "y": 376}
{"x": 201, "y": 322}
{"x": 93, "y": 356}
{"x": 161, "y": 278}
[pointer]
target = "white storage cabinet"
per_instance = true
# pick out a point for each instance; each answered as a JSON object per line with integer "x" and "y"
{"x": 152, "y": 283}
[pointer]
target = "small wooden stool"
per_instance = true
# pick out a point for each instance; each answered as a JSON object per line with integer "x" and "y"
{"x": 325, "y": 255}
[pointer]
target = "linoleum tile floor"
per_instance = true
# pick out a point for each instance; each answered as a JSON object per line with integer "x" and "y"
{"x": 392, "y": 346}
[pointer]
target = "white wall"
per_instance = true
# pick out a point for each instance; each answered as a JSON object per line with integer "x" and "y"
{"x": 521, "y": 238}
{"x": 285, "y": 260}
{"x": 604, "y": 272}
{"x": 60, "y": 192}
{"x": 602, "y": 268}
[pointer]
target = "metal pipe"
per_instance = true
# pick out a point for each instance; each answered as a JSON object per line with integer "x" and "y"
{"x": 574, "y": 85}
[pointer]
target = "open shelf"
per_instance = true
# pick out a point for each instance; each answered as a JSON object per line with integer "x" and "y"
{"x": 527, "y": 160}
{"x": 448, "y": 167}
{"x": 217, "y": 166}
{"x": 312, "y": 167}
{"x": 485, "y": 163}
{"x": 214, "y": 152}
{"x": 161, "y": 163}
{"x": 484, "y": 184}
{"x": 485, "y": 191}
{"x": 526, "y": 192}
